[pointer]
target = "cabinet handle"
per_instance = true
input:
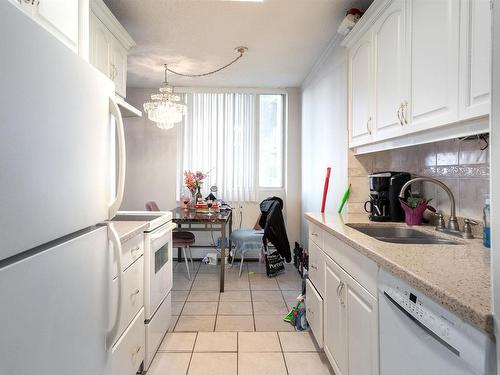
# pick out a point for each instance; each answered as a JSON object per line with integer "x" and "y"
{"x": 314, "y": 267}
{"x": 339, "y": 291}
{"x": 309, "y": 311}
{"x": 314, "y": 234}
{"x": 400, "y": 110}
{"x": 368, "y": 127}
{"x": 134, "y": 249}
{"x": 135, "y": 292}
{"x": 404, "y": 111}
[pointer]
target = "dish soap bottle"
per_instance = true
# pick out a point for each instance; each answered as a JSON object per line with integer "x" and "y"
{"x": 486, "y": 218}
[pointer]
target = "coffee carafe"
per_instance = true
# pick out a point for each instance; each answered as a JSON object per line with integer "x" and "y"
{"x": 384, "y": 203}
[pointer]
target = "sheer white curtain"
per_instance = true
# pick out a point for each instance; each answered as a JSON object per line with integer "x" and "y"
{"x": 218, "y": 135}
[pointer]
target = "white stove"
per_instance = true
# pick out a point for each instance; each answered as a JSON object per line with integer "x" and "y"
{"x": 158, "y": 274}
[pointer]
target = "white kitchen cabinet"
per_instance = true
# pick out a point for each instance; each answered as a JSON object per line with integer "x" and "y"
{"x": 430, "y": 72}
{"x": 433, "y": 39}
{"x": 475, "y": 55}
{"x": 317, "y": 267}
{"x": 362, "y": 329}
{"x": 314, "y": 311}
{"x": 360, "y": 93}
{"x": 59, "y": 17}
{"x": 100, "y": 43}
{"x": 335, "y": 328}
{"x": 391, "y": 73}
{"x": 109, "y": 47}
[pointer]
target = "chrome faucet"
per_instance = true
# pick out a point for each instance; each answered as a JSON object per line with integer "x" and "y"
{"x": 452, "y": 221}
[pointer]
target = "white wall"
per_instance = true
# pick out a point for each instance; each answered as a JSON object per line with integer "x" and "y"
{"x": 324, "y": 132}
{"x": 151, "y": 159}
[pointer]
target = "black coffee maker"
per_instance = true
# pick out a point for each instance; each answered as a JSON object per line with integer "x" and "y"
{"x": 384, "y": 203}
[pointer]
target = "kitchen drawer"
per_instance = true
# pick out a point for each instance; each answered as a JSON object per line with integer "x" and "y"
{"x": 314, "y": 312}
{"x": 317, "y": 267}
{"x": 316, "y": 234}
{"x": 357, "y": 265}
{"x": 156, "y": 329}
{"x": 132, "y": 250}
{"x": 133, "y": 294}
{"x": 128, "y": 353}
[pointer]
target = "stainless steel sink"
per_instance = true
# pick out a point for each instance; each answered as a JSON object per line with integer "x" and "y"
{"x": 401, "y": 235}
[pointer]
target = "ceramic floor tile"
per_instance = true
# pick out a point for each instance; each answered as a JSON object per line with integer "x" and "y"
{"x": 203, "y": 296}
{"x": 235, "y": 308}
{"x": 195, "y": 323}
{"x": 177, "y": 308}
{"x": 298, "y": 342}
{"x": 235, "y": 295}
{"x": 236, "y": 285}
{"x": 208, "y": 276}
{"x": 233, "y": 323}
{"x": 289, "y": 284}
{"x": 205, "y": 285}
{"x": 254, "y": 342}
{"x": 173, "y": 322}
{"x": 256, "y": 267}
{"x": 200, "y": 308}
{"x": 178, "y": 342}
{"x": 181, "y": 284}
{"x": 268, "y": 323}
{"x": 179, "y": 295}
{"x": 213, "y": 364}
{"x": 261, "y": 363}
{"x": 216, "y": 342}
{"x": 206, "y": 268}
{"x": 307, "y": 363}
{"x": 170, "y": 363}
{"x": 263, "y": 283}
{"x": 290, "y": 295}
{"x": 270, "y": 308}
{"x": 266, "y": 295}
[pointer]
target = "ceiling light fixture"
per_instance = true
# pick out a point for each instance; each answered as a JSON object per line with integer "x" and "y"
{"x": 166, "y": 108}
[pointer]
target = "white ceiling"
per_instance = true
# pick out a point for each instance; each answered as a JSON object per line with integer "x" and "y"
{"x": 284, "y": 37}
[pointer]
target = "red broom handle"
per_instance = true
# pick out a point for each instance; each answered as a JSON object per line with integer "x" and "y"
{"x": 325, "y": 189}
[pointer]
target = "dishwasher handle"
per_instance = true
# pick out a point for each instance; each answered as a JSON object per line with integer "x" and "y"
{"x": 422, "y": 326}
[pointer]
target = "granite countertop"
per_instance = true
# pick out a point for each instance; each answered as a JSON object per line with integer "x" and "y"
{"x": 128, "y": 229}
{"x": 457, "y": 276}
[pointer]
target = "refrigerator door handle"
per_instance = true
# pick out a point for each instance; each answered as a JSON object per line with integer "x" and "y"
{"x": 117, "y": 247}
{"x": 115, "y": 111}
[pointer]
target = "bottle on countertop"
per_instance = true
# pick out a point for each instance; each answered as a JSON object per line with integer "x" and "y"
{"x": 486, "y": 219}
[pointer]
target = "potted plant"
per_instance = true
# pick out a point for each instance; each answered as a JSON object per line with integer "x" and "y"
{"x": 414, "y": 208}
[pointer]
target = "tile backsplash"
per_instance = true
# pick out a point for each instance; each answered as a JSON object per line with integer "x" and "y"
{"x": 460, "y": 164}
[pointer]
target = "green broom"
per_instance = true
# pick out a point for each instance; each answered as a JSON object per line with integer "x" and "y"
{"x": 288, "y": 317}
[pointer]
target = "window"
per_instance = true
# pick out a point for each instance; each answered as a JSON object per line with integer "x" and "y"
{"x": 271, "y": 141}
{"x": 238, "y": 138}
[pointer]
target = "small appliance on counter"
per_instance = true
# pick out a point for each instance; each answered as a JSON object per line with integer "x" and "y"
{"x": 384, "y": 191}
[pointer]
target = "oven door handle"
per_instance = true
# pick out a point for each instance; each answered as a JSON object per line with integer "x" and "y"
{"x": 163, "y": 232}
{"x": 422, "y": 326}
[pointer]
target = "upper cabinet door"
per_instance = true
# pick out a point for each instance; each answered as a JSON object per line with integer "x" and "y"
{"x": 100, "y": 45}
{"x": 118, "y": 66}
{"x": 361, "y": 93}
{"x": 475, "y": 55}
{"x": 391, "y": 73}
{"x": 434, "y": 47}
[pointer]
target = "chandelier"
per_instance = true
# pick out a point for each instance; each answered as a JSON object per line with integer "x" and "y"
{"x": 166, "y": 108}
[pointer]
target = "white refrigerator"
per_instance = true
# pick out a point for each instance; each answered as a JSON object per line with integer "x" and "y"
{"x": 58, "y": 124}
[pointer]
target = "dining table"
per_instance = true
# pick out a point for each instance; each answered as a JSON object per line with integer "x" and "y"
{"x": 203, "y": 221}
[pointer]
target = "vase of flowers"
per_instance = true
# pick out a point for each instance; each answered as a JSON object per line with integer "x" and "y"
{"x": 414, "y": 209}
{"x": 194, "y": 182}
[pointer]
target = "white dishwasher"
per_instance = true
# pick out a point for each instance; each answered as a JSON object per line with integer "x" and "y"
{"x": 420, "y": 337}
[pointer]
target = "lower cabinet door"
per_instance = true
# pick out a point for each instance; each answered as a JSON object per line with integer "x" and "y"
{"x": 128, "y": 352}
{"x": 317, "y": 267}
{"x": 362, "y": 329}
{"x": 314, "y": 312}
{"x": 334, "y": 341}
